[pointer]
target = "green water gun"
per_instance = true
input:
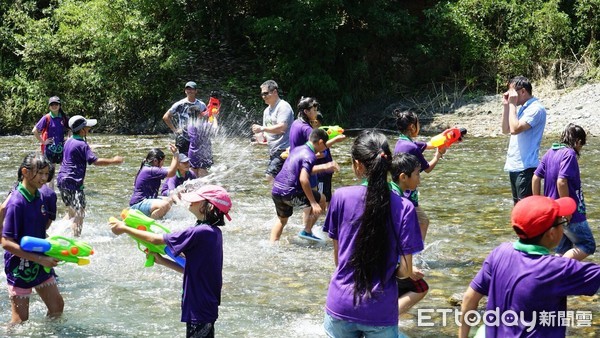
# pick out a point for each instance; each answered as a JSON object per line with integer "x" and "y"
{"x": 333, "y": 131}
{"x": 136, "y": 219}
{"x": 59, "y": 247}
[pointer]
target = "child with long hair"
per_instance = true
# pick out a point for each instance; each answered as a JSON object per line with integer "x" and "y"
{"x": 147, "y": 182}
{"x": 202, "y": 245}
{"x": 371, "y": 227}
{"x": 25, "y": 214}
{"x": 560, "y": 171}
{"x": 408, "y": 125}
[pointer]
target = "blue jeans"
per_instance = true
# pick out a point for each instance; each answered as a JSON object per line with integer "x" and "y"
{"x": 579, "y": 235}
{"x": 337, "y": 328}
{"x": 144, "y": 205}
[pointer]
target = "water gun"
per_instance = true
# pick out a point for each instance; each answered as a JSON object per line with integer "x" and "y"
{"x": 138, "y": 220}
{"x": 213, "y": 107}
{"x": 447, "y": 137}
{"x": 333, "y": 131}
{"x": 59, "y": 247}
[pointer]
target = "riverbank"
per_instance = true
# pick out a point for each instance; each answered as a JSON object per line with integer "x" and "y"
{"x": 481, "y": 116}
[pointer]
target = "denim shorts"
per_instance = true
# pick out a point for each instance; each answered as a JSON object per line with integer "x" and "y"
{"x": 337, "y": 328}
{"x": 145, "y": 205}
{"x": 579, "y": 235}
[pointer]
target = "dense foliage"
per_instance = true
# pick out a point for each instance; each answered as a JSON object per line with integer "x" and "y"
{"x": 126, "y": 61}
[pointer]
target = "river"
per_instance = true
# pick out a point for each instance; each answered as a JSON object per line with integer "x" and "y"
{"x": 273, "y": 291}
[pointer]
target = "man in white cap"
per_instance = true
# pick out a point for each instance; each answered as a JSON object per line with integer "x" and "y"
{"x": 181, "y": 109}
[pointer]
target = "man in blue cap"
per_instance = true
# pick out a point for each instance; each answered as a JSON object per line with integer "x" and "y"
{"x": 181, "y": 109}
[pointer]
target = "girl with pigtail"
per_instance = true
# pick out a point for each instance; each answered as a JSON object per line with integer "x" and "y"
{"x": 370, "y": 227}
{"x": 147, "y": 182}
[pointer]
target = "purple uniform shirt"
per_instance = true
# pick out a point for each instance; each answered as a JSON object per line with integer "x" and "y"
{"x": 77, "y": 154}
{"x": 147, "y": 183}
{"x": 49, "y": 198}
{"x": 529, "y": 283}
{"x": 299, "y": 133}
{"x": 342, "y": 224}
{"x": 287, "y": 182}
{"x": 54, "y": 126}
{"x": 26, "y": 215}
{"x": 173, "y": 182}
{"x": 202, "y": 246}
{"x": 561, "y": 162}
{"x": 415, "y": 148}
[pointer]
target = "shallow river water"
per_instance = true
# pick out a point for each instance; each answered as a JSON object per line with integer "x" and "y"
{"x": 273, "y": 291}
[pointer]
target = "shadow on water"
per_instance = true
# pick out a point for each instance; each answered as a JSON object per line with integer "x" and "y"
{"x": 271, "y": 291}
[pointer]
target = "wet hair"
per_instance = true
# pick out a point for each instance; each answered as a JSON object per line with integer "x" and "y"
{"x": 51, "y": 171}
{"x": 404, "y": 119}
{"x": 318, "y": 134}
{"x": 35, "y": 162}
{"x": 213, "y": 216}
{"x": 320, "y": 117}
{"x": 521, "y": 82}
{"x": 571, "y": 135}
{"x": 403, "y": 163}
{"x": 271, "y": 85}
{"x": 154, "y": 155}
{"x": 372, "y": 245}
{"x": 306, "y": 103}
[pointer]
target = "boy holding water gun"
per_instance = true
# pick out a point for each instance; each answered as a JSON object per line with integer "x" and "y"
{"x": 406, "y": 176}
{"x": 202, "y": 246}
{"x": 26, "y": 214}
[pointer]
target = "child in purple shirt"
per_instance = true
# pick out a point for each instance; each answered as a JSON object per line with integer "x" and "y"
{"x": 407, "y": 123}
{"x": 523, "y": 281}
{"x": 202, "y": 246}
{"x": 77, "y": 156}
{"x": 371, "y": 227}
{"x": 147, "y": 182}
{"x": 560, "y": 171}
{"x": 291, "y": 187}
{"x": 51, "y": 129}
{"x": 182, "y": 174}
{"x": 25, "y": 214}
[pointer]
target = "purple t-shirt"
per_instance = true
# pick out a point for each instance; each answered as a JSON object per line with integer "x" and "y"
{"x": 342, "y": 223}
{"x": 415, "y": 148}
{"x": 325, "y": 159}
{"x": 299, "y": 133}
{"x": 173, "y": 182}
{"x": 202, "y": 246}
{"x": 200, "y": 152}
{"x": 147, "y": 183}
{"x": 26, "y": 215}
{"x": 49, "y": 198}
{"x": 55, "y": 127}
{"x": 77, "y": 154}
{"x": 287, "y": 182}
{"x": 529, "y": 282}
{"x": 561, "y": 162}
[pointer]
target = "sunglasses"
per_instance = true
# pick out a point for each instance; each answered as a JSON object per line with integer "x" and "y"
{"x": 263, "y": 94}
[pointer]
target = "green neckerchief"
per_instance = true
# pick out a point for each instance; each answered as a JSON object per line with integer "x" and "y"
{"x": 28, "y": 196}
{"x": 311, "y": 147}
{"x": 557, "y": 145}
{"x": 77, "y": 137}
{"x": 404, "y": 137}
{"x": 52, "y": 115}
{"x": 395, "y": 187}
{"x": 178, "y": 174}
{"x": 364, "y": 182}
{"x": 531, "y": 248}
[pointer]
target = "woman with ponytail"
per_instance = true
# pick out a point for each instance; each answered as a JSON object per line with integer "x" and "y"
{"x": 370, "y": 227}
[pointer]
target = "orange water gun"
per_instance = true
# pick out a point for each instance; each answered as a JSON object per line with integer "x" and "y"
{"x": 213, "y": 107}
{"x": 447, "y": 137}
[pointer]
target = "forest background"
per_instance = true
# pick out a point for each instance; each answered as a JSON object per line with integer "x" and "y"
{"x": 126, "y": 61}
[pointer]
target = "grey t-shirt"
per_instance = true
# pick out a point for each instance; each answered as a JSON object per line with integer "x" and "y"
{"x": 282, "y": 113}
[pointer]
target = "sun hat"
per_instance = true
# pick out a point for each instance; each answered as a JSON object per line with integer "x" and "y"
{"x": 78, "y": 122}
{"x": 183, "y": 158}
{"x": 215, "y": 194}
{"x": 54, "y": 99}
{"x": 534, "y": 215}
{"x": 191, "y": 84}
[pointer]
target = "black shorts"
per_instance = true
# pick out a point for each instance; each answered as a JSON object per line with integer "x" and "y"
{"x": 182, "y": 143}
{"x": 200, "y": 330}
{"x": 73, "y": 198}
{"x": 285, "y": 205}
{"x": 275, "y": 164}
{"x": 325, "y": 186}
{"x": 406, "y": 285}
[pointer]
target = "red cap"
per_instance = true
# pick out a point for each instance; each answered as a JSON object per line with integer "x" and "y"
{"x": 215, "y": 194}
{"x": 533, "y": 215}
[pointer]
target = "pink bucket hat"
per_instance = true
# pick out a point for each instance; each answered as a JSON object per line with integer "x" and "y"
{"x": 215, "y": 194}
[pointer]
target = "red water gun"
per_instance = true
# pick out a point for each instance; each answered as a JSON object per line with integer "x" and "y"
{"x": 447, "y": 137}
{"x": 213, "y": 107}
